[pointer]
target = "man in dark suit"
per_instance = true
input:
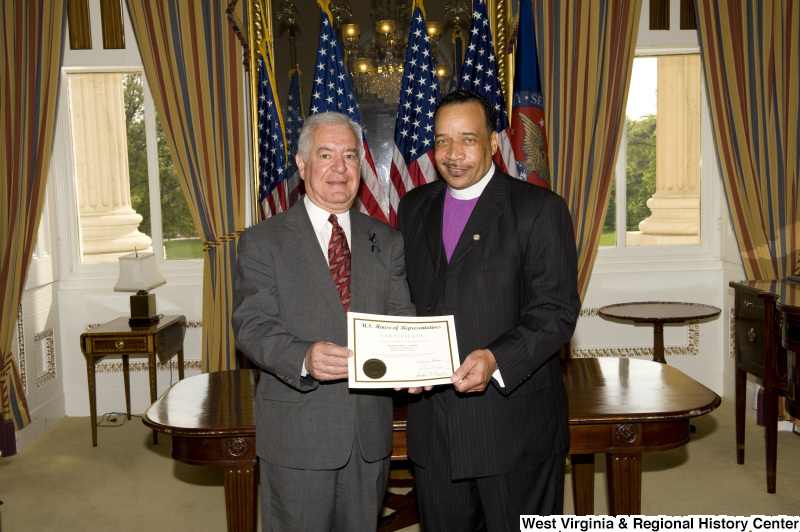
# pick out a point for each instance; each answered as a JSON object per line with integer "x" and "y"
{"x": 323, "y": 449}
{"x": 499, "y": 254}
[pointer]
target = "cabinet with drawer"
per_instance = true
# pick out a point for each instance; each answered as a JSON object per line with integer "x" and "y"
{"x": 760, "y": 309}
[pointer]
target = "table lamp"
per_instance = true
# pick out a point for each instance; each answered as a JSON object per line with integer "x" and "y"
{"x": 138, "y": 273}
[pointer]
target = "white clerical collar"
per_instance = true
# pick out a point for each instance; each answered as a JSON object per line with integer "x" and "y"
{"x": 473, "y": 191}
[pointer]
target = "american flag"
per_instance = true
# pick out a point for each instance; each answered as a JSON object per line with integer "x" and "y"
{"x": 528, "y": 135}
{"x": 271, "y": 145}
{"x": 294, "y": 121}
{"x": 333, "y": 92}
{"x": 412, "y": 159}
{"x": 458, "y": 56}
{"x": 479, "y": 74}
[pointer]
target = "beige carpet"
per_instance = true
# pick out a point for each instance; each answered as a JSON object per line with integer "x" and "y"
{"x": 62, "y": 483}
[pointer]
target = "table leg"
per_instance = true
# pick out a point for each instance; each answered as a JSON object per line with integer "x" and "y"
{"x": 241, "y": 497}
{"x": 92, "y": 398}
{"x": 771, "y": 434}
{"x": 151, "y": 369}
{"x": 741, "y": 399}
{"x": 658, "y": 343}
{"x": 180, "y": 364}
{"x": 126, "y": 377}
{"x": 624, "y": 472}
{"x": 583, "y": 483}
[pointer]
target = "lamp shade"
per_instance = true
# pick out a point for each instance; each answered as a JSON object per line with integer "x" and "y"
{"x": 138, "y": 271}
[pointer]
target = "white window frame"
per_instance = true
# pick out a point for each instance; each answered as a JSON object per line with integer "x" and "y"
{"x": 73, "y": 272}
{"x": 651, "y": 43}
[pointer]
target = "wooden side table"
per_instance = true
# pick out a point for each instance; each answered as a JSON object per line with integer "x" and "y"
{"x": 658, "y": 313}
{"x": 116, "y": 337}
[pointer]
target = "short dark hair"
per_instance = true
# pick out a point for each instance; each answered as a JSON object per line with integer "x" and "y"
{"x": 465, "y": 96}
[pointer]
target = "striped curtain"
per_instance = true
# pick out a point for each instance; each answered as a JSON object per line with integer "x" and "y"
{"x": 193, "y": 64}
{"x": 31, "y": 51}
{"x": 751, "y": 59}
{"x": 586, "y": 54}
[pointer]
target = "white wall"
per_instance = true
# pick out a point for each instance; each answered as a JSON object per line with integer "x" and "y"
{"x": 82, "y": 307}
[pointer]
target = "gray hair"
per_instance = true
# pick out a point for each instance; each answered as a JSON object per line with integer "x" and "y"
{"x": 328, "y": 118}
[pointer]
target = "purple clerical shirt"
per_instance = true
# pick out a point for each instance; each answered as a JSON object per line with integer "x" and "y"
{"x": 456, "y": 214}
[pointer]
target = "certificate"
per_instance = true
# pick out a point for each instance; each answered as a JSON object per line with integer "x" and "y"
{"x": 400, "y": 351}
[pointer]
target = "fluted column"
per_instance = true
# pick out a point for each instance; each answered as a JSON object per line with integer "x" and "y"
{"x": 108, "y": 222}
{"x": 675, "y": 206}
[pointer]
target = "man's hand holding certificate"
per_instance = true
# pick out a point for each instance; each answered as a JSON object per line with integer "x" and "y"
{"x": 400, "y": 351}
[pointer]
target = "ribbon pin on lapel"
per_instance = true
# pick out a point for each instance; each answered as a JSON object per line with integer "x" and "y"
{"x": 374, "y": 240}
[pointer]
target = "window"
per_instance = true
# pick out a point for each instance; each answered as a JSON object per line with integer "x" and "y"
{"x": 657, "y": 174}
{"x": 122, "y": 169}
{"x": 116, "y": 189}
{"x": 656, "y": 199}
{"x": 179, "y": 238}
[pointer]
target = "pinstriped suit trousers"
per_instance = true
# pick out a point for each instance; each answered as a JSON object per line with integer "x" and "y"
{"x": 484, "y": 504}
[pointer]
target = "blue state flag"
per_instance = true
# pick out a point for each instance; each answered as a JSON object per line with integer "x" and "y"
{"x": 528, "y": 136}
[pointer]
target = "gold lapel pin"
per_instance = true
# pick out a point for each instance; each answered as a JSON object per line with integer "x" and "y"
{"x": 476, "y": 237}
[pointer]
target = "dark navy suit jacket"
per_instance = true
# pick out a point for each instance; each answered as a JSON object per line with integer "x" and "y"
{"x": 512, "y": 285}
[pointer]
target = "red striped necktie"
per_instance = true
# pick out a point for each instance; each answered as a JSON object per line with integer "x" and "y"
{"x": 339, "y": 261}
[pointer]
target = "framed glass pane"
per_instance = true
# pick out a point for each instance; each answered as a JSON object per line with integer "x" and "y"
{"x": 640, "y": 140}
{"x": 662, "y": 152}
{"x": 137, "y": 148}
{"x": 112, "y": 150}
{"x": 658, "y": 164}
{"x": 103, "y": 106}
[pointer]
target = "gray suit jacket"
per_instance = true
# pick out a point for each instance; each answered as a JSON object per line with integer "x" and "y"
{"x": 284, "y": 300}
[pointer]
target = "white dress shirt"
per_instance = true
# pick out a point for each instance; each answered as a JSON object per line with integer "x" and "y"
{"x": 323, "y": 229}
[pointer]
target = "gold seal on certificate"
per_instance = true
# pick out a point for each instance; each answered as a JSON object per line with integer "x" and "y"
{"x": 374, "y": 368}
{"x": 400, "y": 351}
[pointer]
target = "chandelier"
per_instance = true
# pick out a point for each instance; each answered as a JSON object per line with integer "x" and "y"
{"x": 377, "y": 70}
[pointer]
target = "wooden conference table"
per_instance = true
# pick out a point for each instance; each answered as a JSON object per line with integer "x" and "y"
{"x": 619, "y": 407}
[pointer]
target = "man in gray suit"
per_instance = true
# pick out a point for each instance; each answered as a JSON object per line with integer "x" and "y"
{"x": 323, "y": 449}
{"x": 499, "y": 254}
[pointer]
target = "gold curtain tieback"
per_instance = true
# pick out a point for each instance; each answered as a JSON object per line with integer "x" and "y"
{"x": 221, "y": 240}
